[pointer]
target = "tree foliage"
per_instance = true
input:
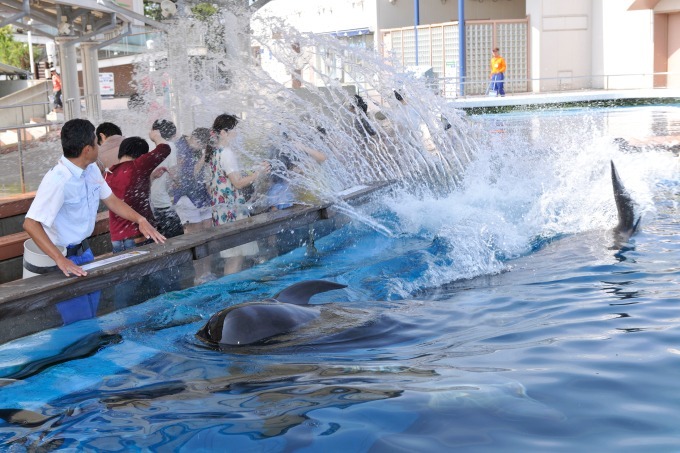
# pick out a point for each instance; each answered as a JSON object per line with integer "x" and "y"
{"x": 203, "y": 11}
{"x": 12, "y": 52}
{"x": 152, "y": 10}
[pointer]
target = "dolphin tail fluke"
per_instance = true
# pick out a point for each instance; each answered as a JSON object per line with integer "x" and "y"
{"x": 624, "y": 205}
{"x": 300, "y": 293}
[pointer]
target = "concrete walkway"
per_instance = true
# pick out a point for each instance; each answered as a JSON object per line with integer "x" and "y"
{"x": 520, "y": 99}
{"x": 564, "y": 97}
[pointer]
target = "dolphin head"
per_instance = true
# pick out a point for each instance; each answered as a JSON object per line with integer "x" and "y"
{"x": 254, "y": 322}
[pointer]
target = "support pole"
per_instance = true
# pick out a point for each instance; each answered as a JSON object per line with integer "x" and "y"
{"x": 416, "y": 14}
{"x": 30, "y": 50}
{"x": 68, "y": 65}
{"x": 174, "y": 90}
{"x": 461, "y": 46}
{"x": 90, "y": 65}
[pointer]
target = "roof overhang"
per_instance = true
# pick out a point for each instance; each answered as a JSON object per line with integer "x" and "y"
{"x": 643, "y": 4}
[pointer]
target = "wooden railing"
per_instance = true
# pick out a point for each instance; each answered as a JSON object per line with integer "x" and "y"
{"x": 33, "y": 298}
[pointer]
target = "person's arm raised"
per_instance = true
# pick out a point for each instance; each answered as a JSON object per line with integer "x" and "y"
{"x": 239, "y": 181}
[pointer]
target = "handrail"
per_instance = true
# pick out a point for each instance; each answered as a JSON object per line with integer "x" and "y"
{"x": 566, "y": 82}
{"x": 30, "y": 126}
{"x": 21, "y": 146}
{"x": 30, "y": 104}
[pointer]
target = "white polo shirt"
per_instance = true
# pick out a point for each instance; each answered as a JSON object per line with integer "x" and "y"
{"x": 67, "y": 200}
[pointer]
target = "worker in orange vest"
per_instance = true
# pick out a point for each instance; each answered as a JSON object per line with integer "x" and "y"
{"x": 497, "y": 72}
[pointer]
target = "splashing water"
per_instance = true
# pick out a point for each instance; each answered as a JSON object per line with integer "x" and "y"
{"x": 423, "y": 143}
{"x": 482, "y": 190}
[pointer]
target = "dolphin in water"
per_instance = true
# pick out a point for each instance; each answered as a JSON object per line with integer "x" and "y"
{"x": 254, "y": 322}
{"x": 625, "y": 206}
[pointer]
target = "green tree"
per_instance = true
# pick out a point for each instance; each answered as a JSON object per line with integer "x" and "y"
{"x": 152, "y": 10}
{"x": 12, "y": 52}
{"x": 203, "y": 11}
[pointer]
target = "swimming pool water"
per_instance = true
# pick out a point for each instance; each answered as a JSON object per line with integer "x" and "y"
{"x": 502, "y": 317}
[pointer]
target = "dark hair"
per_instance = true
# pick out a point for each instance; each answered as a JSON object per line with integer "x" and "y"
{"x": 496, "y": 49}
{"x": 76, "y": 134}
{"x": 398, "y": 96}
{"x": 358, "y": 100}
{"x": 281, "y": 162}
{"x": 108, "y": 129}
{"x": 136, "y": 102}
{"x": 223, "y": 122}
{"x": 201, "y": 135}
{"x": 167, "y": 128}
{"x": 133, "y": 147}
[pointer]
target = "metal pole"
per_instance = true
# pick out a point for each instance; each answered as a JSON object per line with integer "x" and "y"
{"x": 30, "y": 50}
{"x": 461, "y": 45}
{"x": 416, "y": 13}
{"x": 22, "y": 179}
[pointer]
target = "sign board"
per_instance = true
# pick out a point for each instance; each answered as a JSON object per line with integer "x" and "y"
{"x": 106, "y": 85}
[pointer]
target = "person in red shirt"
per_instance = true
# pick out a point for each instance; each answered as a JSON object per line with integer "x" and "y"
{"x": 130, "y": 181}
{"x": 56, "y": 88}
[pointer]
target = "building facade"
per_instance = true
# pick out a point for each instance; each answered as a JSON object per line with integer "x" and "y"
{"x": 549, "y": 45}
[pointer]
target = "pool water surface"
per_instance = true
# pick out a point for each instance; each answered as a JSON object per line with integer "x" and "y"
{"x": 502, "y": 317}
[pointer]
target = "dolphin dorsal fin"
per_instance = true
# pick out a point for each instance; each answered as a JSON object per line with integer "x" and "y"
{"x": 624, "y": 205}
{"x": 300, "y": 293}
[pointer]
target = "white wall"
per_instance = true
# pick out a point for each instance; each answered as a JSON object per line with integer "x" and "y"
{"x": 332, "y": 15}
{"x": 667, "y": 6}
{"x": 561, "y": 49}
{"x": 320, "y": 16}
{"x": 627, "y": 43}
{"x": 674, "y": 50}
{"x": 402, "y": 12}
{"x": 585, "y": 38}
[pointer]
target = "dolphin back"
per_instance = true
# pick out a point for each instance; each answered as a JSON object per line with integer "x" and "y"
{"x": 254, "y": 322}
{"x": 624, "y": 205}
{"x": 300, "y": 293}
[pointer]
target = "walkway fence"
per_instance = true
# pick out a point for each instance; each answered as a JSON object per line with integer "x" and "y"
{"x": 438, "y": 48}
{"x": 449, "y": 87}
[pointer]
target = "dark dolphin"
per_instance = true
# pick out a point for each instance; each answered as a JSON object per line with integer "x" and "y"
{"x": 625, "y": 206}
{"x": 253, "y": 322}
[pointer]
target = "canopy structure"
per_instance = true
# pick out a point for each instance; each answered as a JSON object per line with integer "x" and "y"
{"x": 87, "y": 25}
{"x": 7, "y": 70}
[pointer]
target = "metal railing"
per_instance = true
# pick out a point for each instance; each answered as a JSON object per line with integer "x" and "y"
{"x": 21, "y": 108}
{"x": 450, "y": 87}
{"x": 22, "y": 133}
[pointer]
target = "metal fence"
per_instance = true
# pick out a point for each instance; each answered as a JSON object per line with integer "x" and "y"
{"x": 438, "y": 48}
{"x": 19, "y": 107}
{"x": 449, "y": 87}
{"x": 24, "y": 135}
